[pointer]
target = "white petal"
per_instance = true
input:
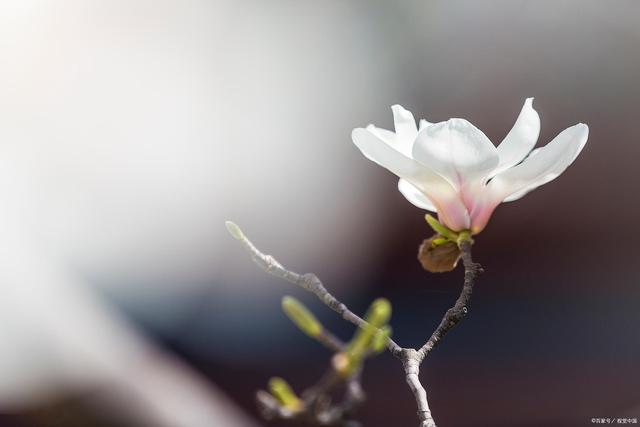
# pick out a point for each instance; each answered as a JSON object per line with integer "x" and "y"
{"x": 520, "y": 194}
{"x": 403, "y": 121}
{"x": 384, "y": 134}
{"x": 520, "y": 140}
{"x": 387, "y": 155}
{"x": 415, "y": 196}
{"x": 450, "y": 208}
{"x": 424, "y": 124}
{"x": 405, "y": 131}
{"x": 542, "y": 166}
{"x": 534, "y": 152}
{"x": 456, "y": 150}
{"x": 405, "y": 127}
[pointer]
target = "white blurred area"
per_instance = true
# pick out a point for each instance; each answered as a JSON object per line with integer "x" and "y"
{"x": 129, "y": 131}
{"x": 140, "y": 126}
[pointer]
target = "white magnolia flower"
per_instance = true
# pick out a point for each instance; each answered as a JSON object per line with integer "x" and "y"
{"x": 453, "y": 169}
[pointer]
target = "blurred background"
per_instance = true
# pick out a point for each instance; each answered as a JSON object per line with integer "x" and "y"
{"x": 130, "y": 130}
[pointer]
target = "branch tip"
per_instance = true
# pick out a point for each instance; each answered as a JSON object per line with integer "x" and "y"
{"x": 234, "y": 230}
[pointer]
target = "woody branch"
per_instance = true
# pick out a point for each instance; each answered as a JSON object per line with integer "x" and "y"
{"x": 411, "y": 358}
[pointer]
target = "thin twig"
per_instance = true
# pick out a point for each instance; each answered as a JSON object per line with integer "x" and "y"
{"x": 311, "y": 283}
{"x": 411, "y": 358}
{"x": 459, "y": 310}
{"x": 316, "y": 405}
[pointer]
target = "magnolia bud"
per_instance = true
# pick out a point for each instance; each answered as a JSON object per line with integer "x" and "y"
{"x": 234, "y": 230}
{"x": 380, "y": 339}
{"x": 282, "y": 391}
{"x": 301, "y": 316}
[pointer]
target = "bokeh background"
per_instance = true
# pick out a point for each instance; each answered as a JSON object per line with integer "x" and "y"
{"x": 131, "y": 130}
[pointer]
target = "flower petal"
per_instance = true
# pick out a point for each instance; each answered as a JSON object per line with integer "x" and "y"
{"x": 453, "y": 213}
{"x": 443, "y": 196}
{"x": 542, "y": 166}
{"x": 424, "y": 124}
{"x": 520, "y": 139}
{"x": 456, "y": 150}
{"x": 415, "y": 196}
{"x": 482, "y": 209}
{"x": 384, "y": 134}
{"x": 519, "y": 194}
{"x": 379, "y": 150}
{"x": 406, "y": 130}
{"x": 403, "y": 121}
